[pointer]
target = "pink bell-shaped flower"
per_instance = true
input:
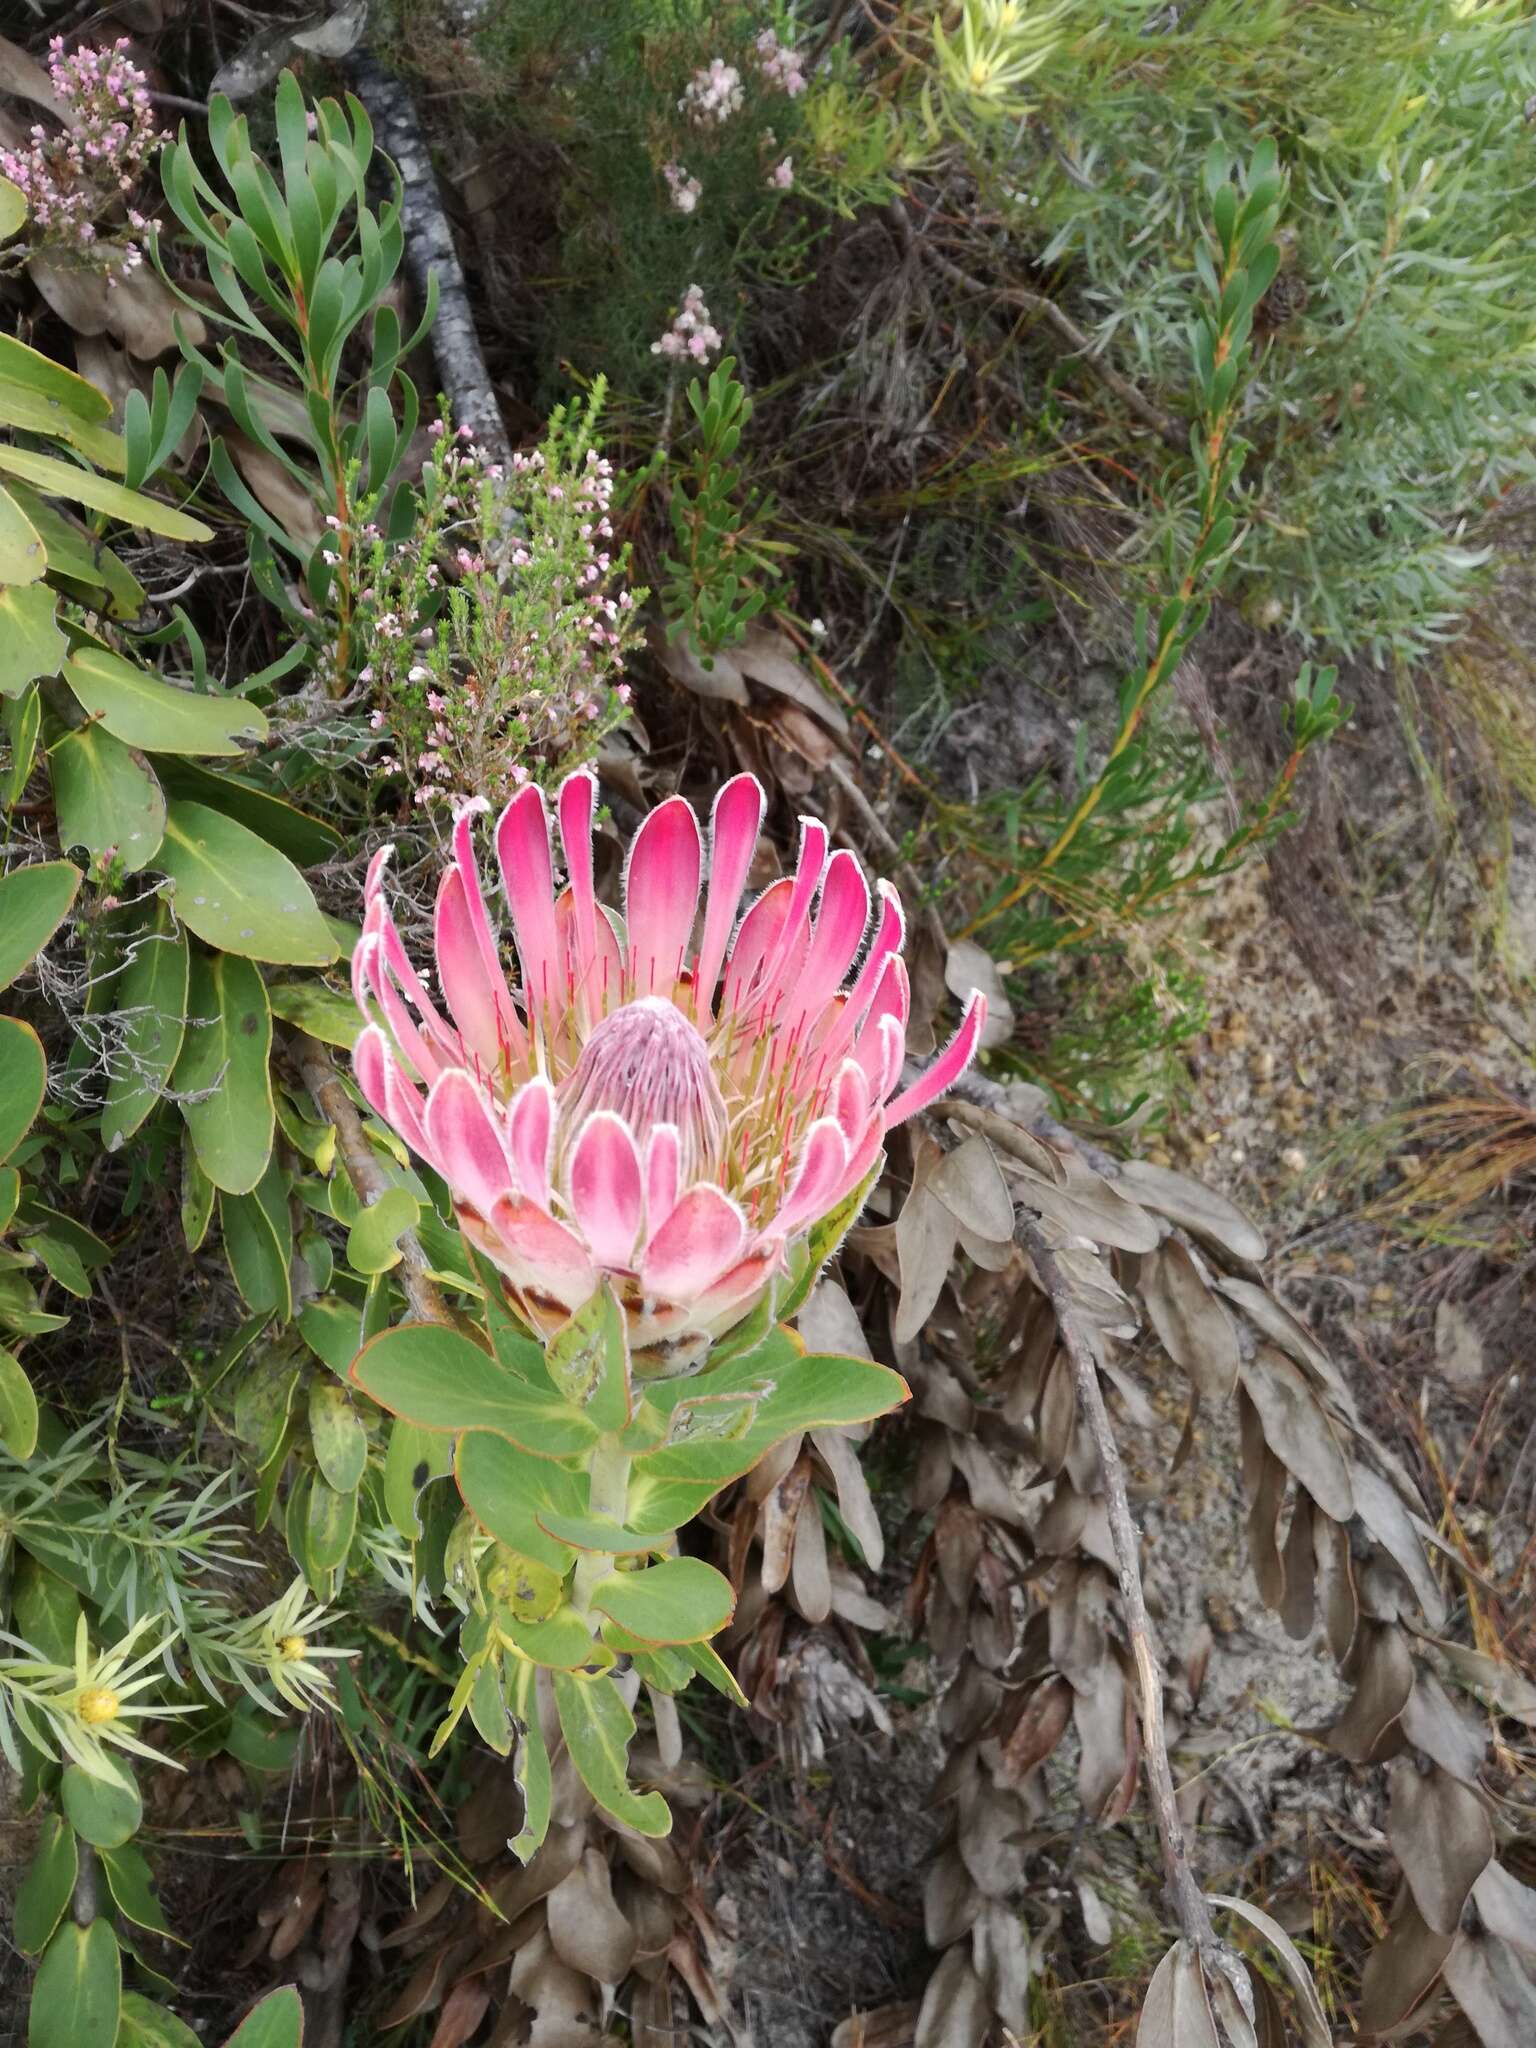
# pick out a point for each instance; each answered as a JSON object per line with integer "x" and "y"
{"x": 666, "y": 1109}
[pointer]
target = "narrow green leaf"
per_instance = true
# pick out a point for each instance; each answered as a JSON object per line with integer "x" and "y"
{"x": 337, "y": 1434}
{"x": 84, "y": 487}
{"x": 258, "y": 1242}
{"x": 151, "y": 999}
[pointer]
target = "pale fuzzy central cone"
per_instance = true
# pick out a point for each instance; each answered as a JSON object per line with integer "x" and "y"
{"x": 648, "y": 1065}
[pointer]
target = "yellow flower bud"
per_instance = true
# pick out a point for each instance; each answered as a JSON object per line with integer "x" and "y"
{"x": 98, "y": 1703}
{"x": 292, "y": 1648}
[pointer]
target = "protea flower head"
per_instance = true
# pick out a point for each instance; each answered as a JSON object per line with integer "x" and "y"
{"x": 666, "y": 1110}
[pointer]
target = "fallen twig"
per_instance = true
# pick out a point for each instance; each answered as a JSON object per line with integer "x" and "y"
{"x": 430, "y": 252}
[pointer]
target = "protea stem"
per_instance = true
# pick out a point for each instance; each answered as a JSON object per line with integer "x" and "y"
{"x": 608, "y": 1495}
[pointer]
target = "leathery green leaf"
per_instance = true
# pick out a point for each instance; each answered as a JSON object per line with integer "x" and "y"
{"x": 31, "y": 643}
{"x": 240, "y": 894}
{"x": 34, "y": 902}
{"x": 223, "y": 1071}
{"x": 44, "y": 1892}
{"x": 108, "y": 798}
{"x": 151, "y": 997}
{"x": 23, "y": 1077}
{"x": 143, "y": 710}
{"x": 598, "y": 1728}
{"x": 680, "y": 1600}
{"x": 437, "y": 1378}
{"x": 337, "y": 1434}
{"x": 78, "y": 1988}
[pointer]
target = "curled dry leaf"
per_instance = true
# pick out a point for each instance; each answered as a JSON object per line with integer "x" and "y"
{"x": 854, "y": 1504}
{"x": 1493, "y": 1989}
{"x": 1297, "y": 1430}
{"x": 766, "y": 657}
{"x": 1191, "y": 1325}
{"x": 1442, "y": 1837}
{"x": 829, "y": 1322}
{"x": 1177, "y": 2012}
{"x": 954, "y": 2012}
{"x": 1000, "y": 1956}
{"x": 925, "y": 1243}
{"x": 1368, "y": 1730}
{"x": 1434, "y": 1723}
{"x": 1310, "y": 2017}
{"x": 1186, "y": 1201}
{"x": 275, "y": 490}
{"x": 1401, "y": 1969}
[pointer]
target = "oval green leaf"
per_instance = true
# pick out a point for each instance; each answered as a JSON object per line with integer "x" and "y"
{"x": 23, "y": 1077}
{"x": 133, "y": 1894}
{"x": 373, "y": 1241}
{"x": 434, "y": 1377}
{"x": 598, "y": 1727}
{"x": 34, "y": 901}
{"x": 142, "y": 709}
{"x": 143, "y": 2024}
{"x": 223, "y": 1072}
{"x": 106, "y": 1811}
{"x": 108, "y": 799}
{"x": 23, "y": 558}
{"x": 240, "y": 894}
{"x": 337, "y": 1434}
{"x": 78, "y": 1989}
{"x": 681, "y": 1600}
{"x": 278, "y": 2022}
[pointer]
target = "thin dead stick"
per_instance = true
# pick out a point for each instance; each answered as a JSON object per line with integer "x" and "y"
{"x": 1184, "y": 1891}
{"x": 430, "y": 252}
{"x": 366, "y": 1175}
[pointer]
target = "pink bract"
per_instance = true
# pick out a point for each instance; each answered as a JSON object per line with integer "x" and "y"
{"x": 668, "y": 1110}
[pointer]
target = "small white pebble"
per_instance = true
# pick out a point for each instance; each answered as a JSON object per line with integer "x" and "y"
{"x": 1293, "y": 1158}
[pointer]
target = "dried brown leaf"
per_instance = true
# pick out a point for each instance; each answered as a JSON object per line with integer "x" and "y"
{"x": 721, "y": 679}
{"x": 463, "y": 2010}
{"x": 1037, "y": 1731}
{"x": 950, "y": 1900}
{"x": 779, "y": 1520}
{"x": 289, "y": 503}
{"x": 1458, "y": 1347}
{"x": 1297, "y": 1430}
{"x": 1494, "y": 1990}
{"x": 1382, "y": 1511}
{"x": 809, "y": 1577}
{"x": 1191, "y": 1325}
{"x": 829, "y": 1322}
{"x": 1310, "y": 2017}
{"x": 836, "y": 1451}
{"x": 925, "y": 1243}
{"x": 1189, "y": 1202}
{"x": 954, "y": 2012}
{"x": 968, "y": 966}
{"x": 1401, "y": 1969}
{"x": 768, "y": 658}
{"x": 1000, "y": 1957}
{"x": 1442, "y": 1837}
{"x": 1369, "y": 1729}
{"x": 1434, "y": 1723}
{"x": 1506, "y": 1907}
{"x": 888, "y": 2026}
{"x": 586, "y": 1928}
{"x": 970, "y": 1184}
{"x": 1176, "y": 2012}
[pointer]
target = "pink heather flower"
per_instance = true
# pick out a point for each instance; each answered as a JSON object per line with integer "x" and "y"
{"x": 670, "y": 1118}
{"x": 713, "y": 94}
{"x": 685, "y": 191}
{"x": 780, "y": 64}
{"x": 783, "y": 174}
{"x": 692, "y": 332}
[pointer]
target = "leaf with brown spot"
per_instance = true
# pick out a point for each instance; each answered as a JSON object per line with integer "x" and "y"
{"x": 1297, "y": 1430}
{"x": 1035, "y": 1734}
{"x": 1191, "y": 1325}
{"x": 1493, "y": 1989}
{"x": 1442, "y": 1838}
{"x": 1506, "y": 1907}
{"x": 777, "y": 1524}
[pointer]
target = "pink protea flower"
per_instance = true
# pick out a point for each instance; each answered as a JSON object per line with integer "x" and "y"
{"x": 669, "y": 1113}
